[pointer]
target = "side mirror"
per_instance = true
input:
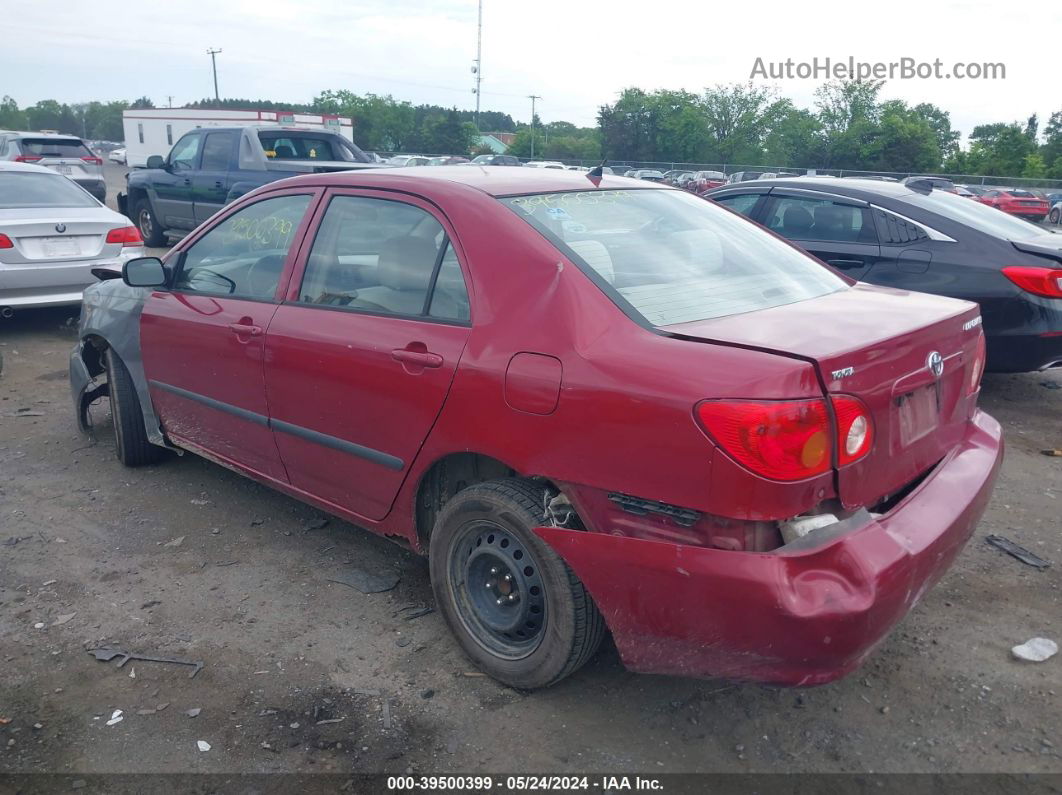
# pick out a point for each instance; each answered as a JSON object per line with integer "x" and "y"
{"x": 156, "y": 161}
{"x": 145, "y": 272}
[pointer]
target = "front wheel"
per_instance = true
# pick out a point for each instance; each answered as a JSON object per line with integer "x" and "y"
{"x": 515, "y": 607}
{"x": 150, "y": 228}
{"x": 1054, "y": 216}
{"x": 130, "y": 434}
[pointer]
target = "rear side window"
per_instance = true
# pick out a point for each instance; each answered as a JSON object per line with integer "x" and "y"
{"x": 893, "y": 230}
{"x": 244, "y": 255}
{"x": 55, "y": 147}
{"x": 22, "y": 189}
{"x": 799, "y": 218}
{"x": 289, "y": 146}
{"x": 384, "y": 257}
{"x": 666, "y": 256}
{"x": 743, "y": 203}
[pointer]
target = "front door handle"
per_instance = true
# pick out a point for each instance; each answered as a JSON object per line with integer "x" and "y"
{"x": 217, "y": 184}
{"x": 245, "y": 329}
{"x": 845, "y": 264}
{"x": 417, "y": 358}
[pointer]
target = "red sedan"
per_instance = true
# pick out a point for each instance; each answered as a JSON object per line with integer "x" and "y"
{"x": 1017, "y": 202}
{"x": 596, "y": 404}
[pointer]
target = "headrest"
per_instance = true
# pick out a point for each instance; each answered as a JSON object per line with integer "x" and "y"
{"x": 406, "y": 263}
{"x": 797, "y": 219}
{"x": 831, "y": 216}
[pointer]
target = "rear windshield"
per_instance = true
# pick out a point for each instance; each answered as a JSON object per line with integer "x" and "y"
{"x": 973, "y": 213}
{"x": 24, "y": 190}
{"x": 669, "y": 257}
{"x": 55, "y": 147}
{"x": 287, "y": 146}
{"x": 1022, "y": 194}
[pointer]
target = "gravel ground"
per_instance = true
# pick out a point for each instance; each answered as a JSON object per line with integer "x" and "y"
{"x": 186, "y": 559}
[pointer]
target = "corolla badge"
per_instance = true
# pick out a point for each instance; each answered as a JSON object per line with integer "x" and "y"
{"x": 60, "y": 228}
{"x": 935, "y": 364}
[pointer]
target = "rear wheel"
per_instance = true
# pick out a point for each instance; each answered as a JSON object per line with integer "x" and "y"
{"x": 130, "y": 435}
{"x": 1054, "y": 216}
{"x": 515, "y": 607}
{"x": 150, "y": 228}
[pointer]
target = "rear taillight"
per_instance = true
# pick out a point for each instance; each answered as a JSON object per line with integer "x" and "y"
{"x": 28, "y": 158}
{"x": 977, "y": 365}
{"x": 5, "y": 242}
{"x": 96, "y": 161}
{"x": 126, "y": 235}
{"x": 1036, "y": 280}
{"x": 855, "y": 432}
{"x": 788, "y": 440}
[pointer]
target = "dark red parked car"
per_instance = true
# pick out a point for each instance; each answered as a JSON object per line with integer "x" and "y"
{"x": 1017, "y": 202}
{"x": 591, "y": 403}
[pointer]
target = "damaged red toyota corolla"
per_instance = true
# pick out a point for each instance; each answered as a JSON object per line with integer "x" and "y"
{"x": 594, "y": 404}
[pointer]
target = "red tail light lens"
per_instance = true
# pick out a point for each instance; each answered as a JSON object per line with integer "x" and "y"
{"x": 5, "y": 242}
{"x": 977, "y": 365}
{"x": 126, "y": 235}
{"x": 1038, "y": 281}
{"x": 855, "y": 431}
{"x": 781, "y": 440}
{"x": 28, "y": 158}
{"x": 96, "y": 161}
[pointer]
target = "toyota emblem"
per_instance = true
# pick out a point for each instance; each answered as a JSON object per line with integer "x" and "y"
{"x": 60, "y": 228}
{"x": 935, "y": 364}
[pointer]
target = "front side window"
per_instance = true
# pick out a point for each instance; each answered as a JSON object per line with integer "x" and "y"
{"x": 386, "y": 257}
{"x": 184, "y": 154}
{"x": 671, "y": 257}
{"x": 799, "y": 218}
{"x": 743, "y": 203}
{"x": 243, "y": 256}
{"x": 216, "y": 152}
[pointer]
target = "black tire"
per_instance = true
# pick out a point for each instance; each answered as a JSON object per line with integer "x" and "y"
{"x": 130, "y": 436}
{"x": 557, "y": 625}
{"x": 1054, "y": 216}
{"x": 148, "y": 224}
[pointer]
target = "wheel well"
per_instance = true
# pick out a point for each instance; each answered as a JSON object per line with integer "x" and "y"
{"x": 451, "y": 474}
{"x": 92, "y": 354}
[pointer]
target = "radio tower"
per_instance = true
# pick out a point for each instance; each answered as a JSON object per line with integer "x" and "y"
{"x": 476, "y": 69}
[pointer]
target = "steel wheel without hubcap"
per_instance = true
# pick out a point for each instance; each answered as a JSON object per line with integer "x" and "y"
{"x": 499, "y": 592}
{"x": 145, "y": 223}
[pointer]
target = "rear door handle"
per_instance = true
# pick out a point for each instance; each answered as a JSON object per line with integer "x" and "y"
{"x": 845, "y": 264}
{"x": 417, "y": 358}
{"x": 247, "y": 329}
{"x": 217, "y": 184}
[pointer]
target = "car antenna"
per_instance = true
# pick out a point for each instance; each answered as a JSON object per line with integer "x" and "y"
{"x": 598, "y": 171}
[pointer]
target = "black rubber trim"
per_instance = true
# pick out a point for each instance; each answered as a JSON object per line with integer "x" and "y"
{"x": 228, "y": 408}
{"x": 342, "y": 445}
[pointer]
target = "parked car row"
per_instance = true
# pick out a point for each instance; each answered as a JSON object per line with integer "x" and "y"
{"x": 64, "y": 154}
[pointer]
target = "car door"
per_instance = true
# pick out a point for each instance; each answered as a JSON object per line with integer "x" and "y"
{"x": 202, "y": 340}
{"x": 173, "y": 183}
{"x": 210, "y": 183}
{"x": 837, "y": 230}
{"x": 360, "y": 357}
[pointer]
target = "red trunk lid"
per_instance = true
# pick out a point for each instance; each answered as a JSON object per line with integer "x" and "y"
{"x": 874, "y": 343}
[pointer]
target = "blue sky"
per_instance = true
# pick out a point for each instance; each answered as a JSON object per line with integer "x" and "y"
{"x": 576, "y": 55}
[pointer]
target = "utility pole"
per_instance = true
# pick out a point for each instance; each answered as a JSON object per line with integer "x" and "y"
{"x": 533, "y": 97}
{"x": 169, "y": 100}
{"x": 214, "y": 63}
{"x": 477, "y": 70}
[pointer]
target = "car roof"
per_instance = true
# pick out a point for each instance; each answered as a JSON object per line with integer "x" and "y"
{"x": 492, "y": 180}
{"x": 11, "y": 165}
{"x": 49, "y": 135}
{"x": 856, "y": 188}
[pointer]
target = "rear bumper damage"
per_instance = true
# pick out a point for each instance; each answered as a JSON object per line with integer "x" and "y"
{"x": 800, "y": 616}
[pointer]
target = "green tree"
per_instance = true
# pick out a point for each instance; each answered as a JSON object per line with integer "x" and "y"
{"x": 1035, "y": 167}
{"x": 795, "y": 139}
{"x": 738, "y": 118}
{"x": 11, "y": 118}
{"x": 448, "y": 135}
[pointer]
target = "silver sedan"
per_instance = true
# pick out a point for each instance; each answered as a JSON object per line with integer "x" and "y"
{"x": 52, "y": 235}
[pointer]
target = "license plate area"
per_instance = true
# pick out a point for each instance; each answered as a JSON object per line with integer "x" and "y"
{"x": 918, "y": 414}
{"x": 55, "y": 247}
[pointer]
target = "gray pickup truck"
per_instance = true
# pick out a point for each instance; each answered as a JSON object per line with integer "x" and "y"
{"x": 210, "y": 166}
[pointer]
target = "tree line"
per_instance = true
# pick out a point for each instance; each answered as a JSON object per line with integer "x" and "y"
{"x": 849, "y": 127}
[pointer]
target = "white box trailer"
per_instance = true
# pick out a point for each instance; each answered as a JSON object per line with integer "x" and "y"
{"x": 155, "y": 131}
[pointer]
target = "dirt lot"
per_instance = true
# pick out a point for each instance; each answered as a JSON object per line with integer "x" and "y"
{"x": 186, "y": 559}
